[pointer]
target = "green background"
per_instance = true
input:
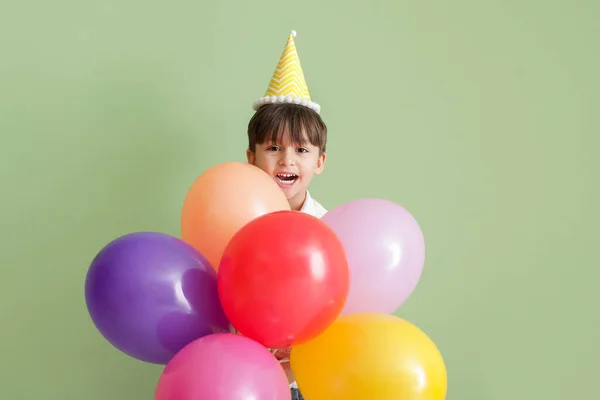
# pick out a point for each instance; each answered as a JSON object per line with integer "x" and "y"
{"x": 479, "y": 117}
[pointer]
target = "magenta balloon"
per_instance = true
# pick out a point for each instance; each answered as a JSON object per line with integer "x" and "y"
{"x": 386, "y": 253}
{"x": 223, "y": 366}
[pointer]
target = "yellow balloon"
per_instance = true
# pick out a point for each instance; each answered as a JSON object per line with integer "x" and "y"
{"x": 370, "y": 356}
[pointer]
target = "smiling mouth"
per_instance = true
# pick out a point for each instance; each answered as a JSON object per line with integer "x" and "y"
{"x": 286, "y": 179}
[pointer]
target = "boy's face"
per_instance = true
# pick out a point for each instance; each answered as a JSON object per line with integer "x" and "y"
{"x": 291, "y": 165}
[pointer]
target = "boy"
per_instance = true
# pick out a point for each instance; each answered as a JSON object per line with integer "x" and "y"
{"x": 288, "y": 140}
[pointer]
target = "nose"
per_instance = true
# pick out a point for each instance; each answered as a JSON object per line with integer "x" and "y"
{"x": 287, "y": 157}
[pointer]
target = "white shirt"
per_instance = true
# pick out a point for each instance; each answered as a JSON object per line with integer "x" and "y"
{"x": 314, "y": 208}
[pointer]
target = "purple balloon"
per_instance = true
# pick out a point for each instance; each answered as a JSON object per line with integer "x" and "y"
{"x": 150, "y": 294}
{"x": 223, "y": 367}
{"x": 385, "y": 250}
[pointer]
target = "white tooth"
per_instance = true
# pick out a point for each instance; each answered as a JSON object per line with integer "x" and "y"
{"x": 286, "y": 182}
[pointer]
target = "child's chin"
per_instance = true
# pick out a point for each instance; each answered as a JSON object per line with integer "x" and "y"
{"x": 290, "y": 193}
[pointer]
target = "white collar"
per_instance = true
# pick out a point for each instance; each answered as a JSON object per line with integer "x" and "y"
{"x": 309, "y": 205}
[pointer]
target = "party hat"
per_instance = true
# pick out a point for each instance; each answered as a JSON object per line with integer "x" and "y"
{"x": 288, "y": 84}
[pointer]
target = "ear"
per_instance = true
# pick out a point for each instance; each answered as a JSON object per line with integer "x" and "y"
{"x": 251, "y": 157}
{"x": 321, "y": 163}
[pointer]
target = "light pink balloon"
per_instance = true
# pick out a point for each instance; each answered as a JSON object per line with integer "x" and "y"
{"x": 386, "y": 253}
{"x": 223, "y": 366}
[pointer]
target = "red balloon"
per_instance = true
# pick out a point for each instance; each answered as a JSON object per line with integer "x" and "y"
{"x": 283, "y": 279}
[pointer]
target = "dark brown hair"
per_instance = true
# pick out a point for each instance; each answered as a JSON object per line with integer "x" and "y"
{"x": 272, "y": 121}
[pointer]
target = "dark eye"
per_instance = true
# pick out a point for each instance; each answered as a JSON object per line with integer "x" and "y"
{"x": 272, "y": 148}
{"x": 302, "y": 150}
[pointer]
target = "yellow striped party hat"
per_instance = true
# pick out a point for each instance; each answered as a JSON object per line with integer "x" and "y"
{"x": 288, "y": 84}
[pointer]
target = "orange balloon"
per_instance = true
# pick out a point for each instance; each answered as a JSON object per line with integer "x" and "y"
{"x": 370, "y": 356}
{"x": 222, "y": 200}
